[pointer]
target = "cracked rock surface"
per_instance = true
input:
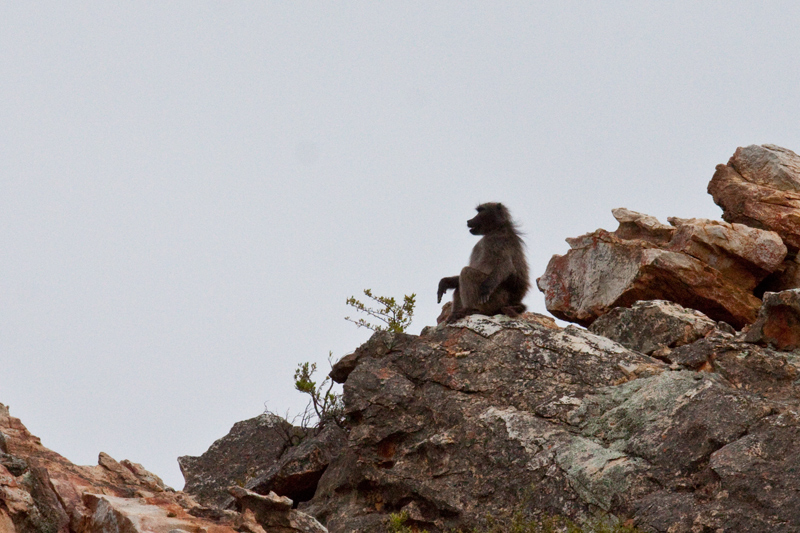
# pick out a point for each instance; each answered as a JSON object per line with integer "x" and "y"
{"x": 501, "y": 415}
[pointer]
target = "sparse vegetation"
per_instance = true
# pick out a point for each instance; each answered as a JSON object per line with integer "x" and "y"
{"x": 327, "y": 405}
{"x": 324, "y": 406}
{"x": 397, "y": 523}
{"x": 396, "y": 317}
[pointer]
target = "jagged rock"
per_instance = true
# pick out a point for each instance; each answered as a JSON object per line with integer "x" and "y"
{"x": 15, "y": 465}
{"x": 701, "y": 264}
{"x": 299, "y": 469}
{"x": 440, "y": 425}
{"x": 760, "y": 187}
{"x": 503, "y": 415}
{"x": 44, "y": 492}
{"x": 108, "y": 514}
{"x": 635, "y": 226}
{"x": 376, "y": 346}
{"x": 778, "y": 322}
{"x": 602, "y": 272}
{"x": 245, "y": 453}
{"x": 272, "y": 513}
{"x": 786, "y": 276}
{"x": 650, "y": 325}
{"x": 743, "y": 255}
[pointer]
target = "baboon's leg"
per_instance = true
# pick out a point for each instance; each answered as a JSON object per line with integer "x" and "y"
{"x": 465, "y": 295}
{"x": 457, "y": 310}
{"x": 469, "y": 283}
{"x": 513, "y": 310}
{"x": 466, "y": 299}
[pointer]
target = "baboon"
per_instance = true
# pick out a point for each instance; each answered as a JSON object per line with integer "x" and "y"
{"x": 496, "y": 279}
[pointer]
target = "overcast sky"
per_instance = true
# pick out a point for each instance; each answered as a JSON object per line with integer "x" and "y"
{"x": 189, "y": 191}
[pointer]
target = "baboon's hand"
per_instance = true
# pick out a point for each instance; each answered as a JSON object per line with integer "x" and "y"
{"x": 442, "y": 290}
{"x": 484, "y": 292}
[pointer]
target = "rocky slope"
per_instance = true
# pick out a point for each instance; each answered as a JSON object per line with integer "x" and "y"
{"x": 497, "y": 416}
{"x": 42, "y": 492}
{"x": 678, "y": 410}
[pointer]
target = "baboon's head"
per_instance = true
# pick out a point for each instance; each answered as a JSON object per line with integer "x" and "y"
{"x": 491, "y": 216}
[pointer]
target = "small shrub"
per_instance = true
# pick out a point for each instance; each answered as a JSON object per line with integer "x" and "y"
{"x": 324, "y": 407}
{"x": 397, "y": 317}
{"x": 398, "y": 524}
{"x": 327, "y": 405}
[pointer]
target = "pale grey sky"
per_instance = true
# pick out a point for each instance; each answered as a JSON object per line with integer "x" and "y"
{"x": 189, "y": 191}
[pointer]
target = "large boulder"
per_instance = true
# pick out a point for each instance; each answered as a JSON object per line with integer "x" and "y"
{"x": 760, "y": 187}
{"x": 462, "y": 421}
{"x": 245, "y": 453}
{"x": 651, "y": 325}
{"x": 507, "y": 416}
{"x": 743, "y": 255}
{"x": 701, "y": 264}
{"x": 297, "y": 472}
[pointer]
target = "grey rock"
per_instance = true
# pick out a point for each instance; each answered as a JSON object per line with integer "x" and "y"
{"x": 297, "y": 472}
{"x": 467, "y": 418}
{"x": 246, "y": 452}
{"x": 15, "y": 465}
{"x": 652, "y": 324}
{"x": 503, "y": 415}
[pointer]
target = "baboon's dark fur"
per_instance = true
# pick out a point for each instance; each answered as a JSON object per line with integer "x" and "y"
{"x": 496, "y": 279}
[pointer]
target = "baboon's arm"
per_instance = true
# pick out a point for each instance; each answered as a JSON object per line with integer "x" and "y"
{"x": 444, "y": 284}
{"x": 497, "y": 276}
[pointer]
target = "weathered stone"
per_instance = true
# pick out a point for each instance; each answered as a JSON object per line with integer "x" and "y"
{"x": 785, "y": 277}
{"x": 778, "y": 322}
{"x": 650, "y": 325}
{"x": 602, "y": 272}
{"x": 469, "y": 416}
{"x": 298, "y": 471}
{"x": 447, "y": 310}
{"x": 741, "y": 254}
{"x": 133, "y": 515}
{"x": 53, "y": 495}
{"x": 638, "y": 226}
{"x": 377, "y": 345}
{"x": 745, "y": 366}
{"x": 15, "y": 465}
{"x": 273, "y": 513}
{"x": 760, "y": 187}
{"x": 761, "y": 467}
{"x": 144, "y": 476}
{"x": 464, "y": 420}
{"x": 245, "y": 453}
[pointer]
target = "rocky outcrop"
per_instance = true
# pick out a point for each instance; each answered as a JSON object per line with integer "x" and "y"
{"x": 700, "y": 264}
{"x": 461, "y": 420}
{"x": 271, "y": 513}
{"x": 511, "y": 416}
{"x": 41, "y": 491}
{"x": 298, "y": 471}
{"x": 662, "y": 416}
{"x": 760, "y": 187}
{"x": 718, "y": 268}
{"x": 778, "y": 322}
{"x": 653, "y": 325}
{"x": 246, "y": 452}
